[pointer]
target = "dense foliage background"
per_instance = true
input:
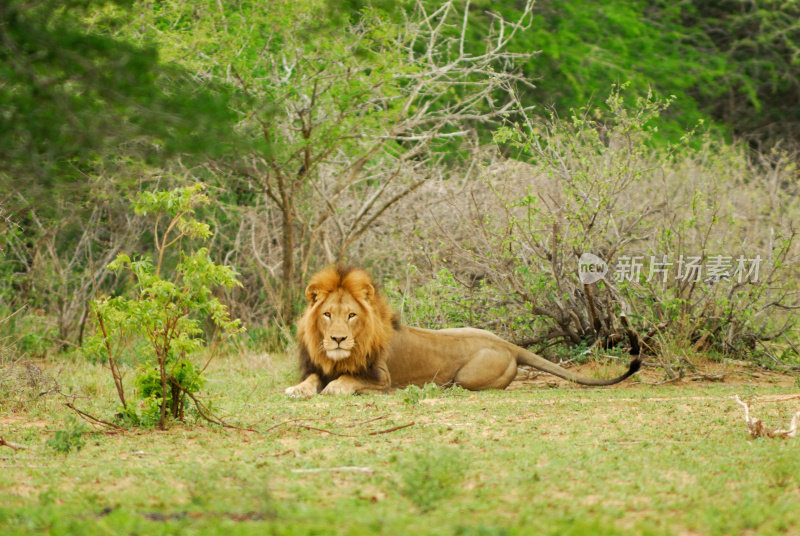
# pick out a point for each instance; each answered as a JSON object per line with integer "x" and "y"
{"x": 465, "y": 152}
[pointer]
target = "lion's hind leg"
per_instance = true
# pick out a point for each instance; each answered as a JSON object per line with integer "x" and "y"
{"x": 487, "y": 369}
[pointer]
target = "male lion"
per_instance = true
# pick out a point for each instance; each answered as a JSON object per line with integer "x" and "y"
{"x": 352, "y": 342}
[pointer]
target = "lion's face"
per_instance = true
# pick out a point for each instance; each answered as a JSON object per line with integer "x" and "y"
{"x": 340, "y": 323}
{"x": 346, "y": 324}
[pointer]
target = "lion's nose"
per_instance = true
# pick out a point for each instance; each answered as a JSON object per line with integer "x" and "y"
{"x": 338, "y": 340}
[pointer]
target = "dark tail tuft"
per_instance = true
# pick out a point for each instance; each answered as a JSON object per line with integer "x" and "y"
{"x": 635, "y": 365}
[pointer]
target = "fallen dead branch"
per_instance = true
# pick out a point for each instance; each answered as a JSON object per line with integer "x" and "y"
{"x": 201, "y": 409}
{"x": 9, "y": 444}
{"x": 323, "y": 430}
{"x": 757, "y": 428}
{"x": 279, "y": 454}
{"x": 90, "y": 418}
{"x": 392, "y": 429}
{"x": 690, "y": 377}
{"x": 274, "y": 426}
{"x": 210, "y": 417}
{"x": 296, "y": 424}
{"x": 369, "y": 420}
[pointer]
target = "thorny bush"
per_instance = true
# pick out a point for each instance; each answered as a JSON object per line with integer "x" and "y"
{"x": 699, "y": 242}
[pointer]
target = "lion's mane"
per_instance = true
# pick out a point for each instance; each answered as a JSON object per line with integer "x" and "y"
{"x": 378, "y": 321}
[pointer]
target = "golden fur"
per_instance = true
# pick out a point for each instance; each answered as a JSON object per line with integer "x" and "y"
{"x": 373, "y": 332}
{"x": 351, "y": 342}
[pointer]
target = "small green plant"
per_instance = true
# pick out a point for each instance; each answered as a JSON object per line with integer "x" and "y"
{"x": 168, "y": 312}
{"x": 72, "y": 437}
{"x": 414, "y": 394}
{"x": 429, "y": 476}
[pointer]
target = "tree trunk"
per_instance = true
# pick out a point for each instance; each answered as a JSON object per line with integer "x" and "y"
{"x": 288, "y": 264}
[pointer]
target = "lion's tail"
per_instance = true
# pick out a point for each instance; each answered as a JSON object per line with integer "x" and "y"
{"x": 529, "y": 358}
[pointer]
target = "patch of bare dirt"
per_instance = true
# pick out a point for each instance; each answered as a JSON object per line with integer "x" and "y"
{"x": 17, "y": 420}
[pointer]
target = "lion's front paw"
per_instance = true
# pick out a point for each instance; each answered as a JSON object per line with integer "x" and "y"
{"x": 301, "y": 390}
{"x": 305, "y": 389}
{"x": 339, "y": 386}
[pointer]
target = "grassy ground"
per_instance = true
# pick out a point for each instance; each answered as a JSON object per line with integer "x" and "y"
{"x": 633, "y": 459}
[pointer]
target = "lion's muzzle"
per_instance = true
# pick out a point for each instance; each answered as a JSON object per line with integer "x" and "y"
{"x": 337, "y": 354}
{"x": 338, "y": 347}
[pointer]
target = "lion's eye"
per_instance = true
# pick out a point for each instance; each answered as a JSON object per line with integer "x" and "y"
{"x": 326, "y": 315}
{"x": 351, "y": 315}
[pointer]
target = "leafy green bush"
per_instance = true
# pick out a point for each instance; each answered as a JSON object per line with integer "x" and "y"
{"x": 184, "y": 377}
{"x": 168, "y": 312}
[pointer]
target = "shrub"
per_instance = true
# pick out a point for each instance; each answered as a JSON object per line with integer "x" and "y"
{"x": 166, "y": 311}
{"x": 597, "y": 183}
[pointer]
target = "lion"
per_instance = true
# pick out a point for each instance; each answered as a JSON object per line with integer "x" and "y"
{"x": 352, "y": 342}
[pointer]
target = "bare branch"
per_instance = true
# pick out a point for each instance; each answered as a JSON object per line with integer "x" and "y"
{"x": 9, "y": 444}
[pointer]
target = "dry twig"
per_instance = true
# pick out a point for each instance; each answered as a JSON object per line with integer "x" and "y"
{"x": 392, "y": 429}
{"x": 757, "y": 428}
{"x": 210, "y": 417}
{"x": 330, "y": 432}
{"x": 369, "y": 420}
{"x": 14, "y": 446}
{"x": 90, "y": 418}
{"x": 284, "y": 453}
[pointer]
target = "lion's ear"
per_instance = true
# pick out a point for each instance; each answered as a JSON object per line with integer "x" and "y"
{"x": 314, "y": 294}
{"x": 360, "y": 285}
{"x": 369, "y": 292}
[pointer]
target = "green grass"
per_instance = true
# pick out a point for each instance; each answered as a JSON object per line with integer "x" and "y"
{"x": 634, "y": 459}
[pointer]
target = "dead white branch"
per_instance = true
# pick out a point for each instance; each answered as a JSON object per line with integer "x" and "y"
{"x": 757, "y": 428}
